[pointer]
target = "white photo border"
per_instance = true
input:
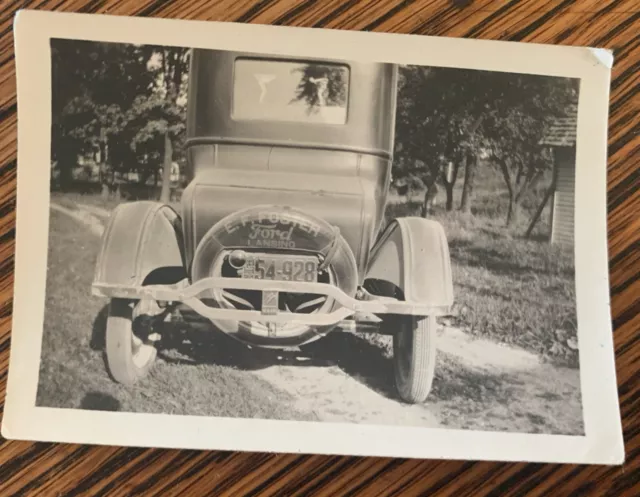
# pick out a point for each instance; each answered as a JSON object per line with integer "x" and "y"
{"x": 602, "y": 442}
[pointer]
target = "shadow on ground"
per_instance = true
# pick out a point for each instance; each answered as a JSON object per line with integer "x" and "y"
{"x": 198, "y": 343}
{"x": 98, "y": 330}
{"x": 366, "y": 362}
{"x": 97, "y": 401}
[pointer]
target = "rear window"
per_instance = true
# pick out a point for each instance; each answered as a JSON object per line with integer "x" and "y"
{"x": 290, "y": 91}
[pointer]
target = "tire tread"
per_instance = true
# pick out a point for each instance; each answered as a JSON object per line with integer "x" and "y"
{"x": 118, "y": 345}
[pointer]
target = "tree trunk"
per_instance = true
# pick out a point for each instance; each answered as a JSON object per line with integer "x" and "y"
{"x": 143, "y": 176}
{"x": 165, "y": 194}
{"x": 512, "y": 212}
{"x": 540, "y": 208}
{"x": 512, "y": 196}
{"x": 467, "y": 188}
{"x": 449, "y": 177}
{"x": 429, "y": 200}
{"x": 66, "y": 175}
{"x": 449, "y": 189}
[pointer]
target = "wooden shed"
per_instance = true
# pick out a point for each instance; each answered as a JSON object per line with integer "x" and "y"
{"x": 561, "y": 138}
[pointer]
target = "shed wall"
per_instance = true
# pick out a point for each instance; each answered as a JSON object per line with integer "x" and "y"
{"x": 562, "y": 227}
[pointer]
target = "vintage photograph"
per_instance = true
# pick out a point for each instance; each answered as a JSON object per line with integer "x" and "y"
{"x": 242, "y": 235}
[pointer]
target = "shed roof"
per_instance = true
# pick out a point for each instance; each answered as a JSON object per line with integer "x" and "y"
{"x": 562, "y": 131}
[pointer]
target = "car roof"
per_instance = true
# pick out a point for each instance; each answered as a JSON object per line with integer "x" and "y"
{"x": 370, "y": 107}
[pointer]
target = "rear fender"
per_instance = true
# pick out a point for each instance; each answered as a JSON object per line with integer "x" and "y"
{"x": 412, "y": 255}
{"x": 142, "y": 244}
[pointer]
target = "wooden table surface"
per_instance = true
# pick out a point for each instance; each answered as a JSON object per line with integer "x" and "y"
{"x": 51, "y": 469}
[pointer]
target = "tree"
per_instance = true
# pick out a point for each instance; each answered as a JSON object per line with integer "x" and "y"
{"x": 435, "y": 125}
{"x": 159, "y": 117}
{"x": 521, "y": 108}
{"x": 158, "y": 120}
{"x": 175, "y": 63}
{"x": 126, "y": 102}
{"x": 321, "y": 85}
{"x": 473, "y": 143}
{"x": 447, "y": 118}
{"x": 520, "y": 174}
{"x": 417, "y": 158}
{"x": 469, "y": 180}
{"x": 93, "y": 85}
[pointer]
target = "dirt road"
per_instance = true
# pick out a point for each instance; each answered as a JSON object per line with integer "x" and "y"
{"x": 479, "y": 384}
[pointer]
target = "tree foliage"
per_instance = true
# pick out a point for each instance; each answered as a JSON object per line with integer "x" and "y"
{"x": 448, "y": 119}
{"x": 117, "y": 101}
{"x": 126, "y": 104}
{"x": 321, "y": 85}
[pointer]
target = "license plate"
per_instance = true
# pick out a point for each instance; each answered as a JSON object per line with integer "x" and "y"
{"x": 281, "y": 267}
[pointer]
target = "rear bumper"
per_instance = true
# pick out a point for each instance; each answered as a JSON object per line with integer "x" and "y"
{"x": 190, "y": 296}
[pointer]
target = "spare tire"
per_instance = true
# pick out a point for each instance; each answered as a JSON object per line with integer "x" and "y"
{"x": 281, "y": 230}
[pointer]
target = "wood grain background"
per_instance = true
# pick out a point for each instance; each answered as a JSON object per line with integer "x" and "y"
{"x": 50, "y": 469}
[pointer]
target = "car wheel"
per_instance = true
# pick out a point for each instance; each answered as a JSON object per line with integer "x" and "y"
{"x": 414, "y": 356}
{"x": 128, "y": 357}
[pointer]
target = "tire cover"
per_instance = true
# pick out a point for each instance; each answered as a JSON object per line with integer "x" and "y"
{"x": 276, "y": 229}
{"x": 279, "y": 229}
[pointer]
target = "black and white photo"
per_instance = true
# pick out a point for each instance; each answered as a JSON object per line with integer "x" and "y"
{"x": 242, "y": 233}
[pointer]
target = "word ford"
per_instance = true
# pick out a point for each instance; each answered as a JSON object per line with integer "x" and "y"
{"x": 269, "y": 233}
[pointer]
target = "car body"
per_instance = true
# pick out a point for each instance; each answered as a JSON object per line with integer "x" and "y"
{"x": 282, "y": 236}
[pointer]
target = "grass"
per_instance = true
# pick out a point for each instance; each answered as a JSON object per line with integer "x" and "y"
{"x": 546, "y": 400}
{"x": 71, "y": 200}
{"x": 72, "y": 368}
{"x": 510, "y": 289}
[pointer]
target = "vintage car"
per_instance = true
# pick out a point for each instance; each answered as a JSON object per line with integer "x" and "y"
{"x": 282, "y": 236}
